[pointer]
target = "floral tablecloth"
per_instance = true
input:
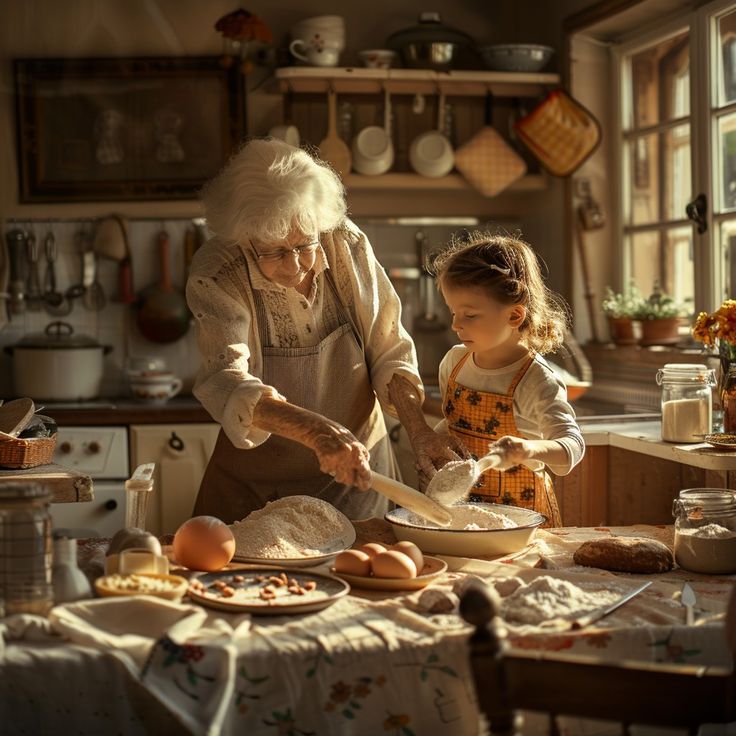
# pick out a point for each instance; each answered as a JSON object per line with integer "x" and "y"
{"x": 372, "y": 663}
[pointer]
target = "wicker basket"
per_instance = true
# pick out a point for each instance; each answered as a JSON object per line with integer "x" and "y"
{"x": 26, "y": 453}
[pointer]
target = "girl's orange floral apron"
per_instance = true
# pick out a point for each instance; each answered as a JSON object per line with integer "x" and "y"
{"x": 477, "y": 418}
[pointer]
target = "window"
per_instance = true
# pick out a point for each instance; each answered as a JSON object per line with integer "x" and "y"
{"x": 677, "y": 112}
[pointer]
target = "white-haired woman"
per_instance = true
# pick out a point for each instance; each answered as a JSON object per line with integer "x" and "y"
{"x": 300, "y": 334}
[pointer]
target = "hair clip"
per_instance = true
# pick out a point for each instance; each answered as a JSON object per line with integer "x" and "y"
{"x": 504, "y": 271}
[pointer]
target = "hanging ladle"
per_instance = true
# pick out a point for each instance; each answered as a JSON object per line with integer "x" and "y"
{"x": 54, "y": 300}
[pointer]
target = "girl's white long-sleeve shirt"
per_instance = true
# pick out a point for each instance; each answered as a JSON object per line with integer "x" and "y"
{"x": 541, "y": 409}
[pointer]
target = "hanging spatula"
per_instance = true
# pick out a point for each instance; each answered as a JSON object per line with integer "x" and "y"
{"x": 332, "y": 148}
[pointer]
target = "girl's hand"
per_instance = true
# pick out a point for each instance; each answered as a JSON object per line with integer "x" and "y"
{"x": 513, "y": 451}
{"x": 342, "y": 456}
{"x": 433, "y": 451}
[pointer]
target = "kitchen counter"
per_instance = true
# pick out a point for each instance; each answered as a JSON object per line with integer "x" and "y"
{"x": 643, "y": 434}
{"x": 66, "y": 485}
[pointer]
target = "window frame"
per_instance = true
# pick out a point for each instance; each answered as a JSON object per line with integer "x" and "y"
{"x": 708, "y": 253}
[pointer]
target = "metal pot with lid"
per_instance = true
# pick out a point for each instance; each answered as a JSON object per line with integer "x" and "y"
{"x": 430, "y": 44}
{"x": 57, "y": 364}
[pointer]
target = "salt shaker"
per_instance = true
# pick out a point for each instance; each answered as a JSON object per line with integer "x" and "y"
{"x": 687, "y": 408}
{"x": 25, "y": 549}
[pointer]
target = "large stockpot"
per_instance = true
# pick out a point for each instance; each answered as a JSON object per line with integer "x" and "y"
{"x": 57, "y": 365}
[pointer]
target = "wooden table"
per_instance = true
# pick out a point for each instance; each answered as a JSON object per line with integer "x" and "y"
{"x": 66, "y": 485}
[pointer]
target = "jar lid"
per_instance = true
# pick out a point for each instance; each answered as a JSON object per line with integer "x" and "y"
{"x": 686, "y": 373}
{"x": 24, "y": 492}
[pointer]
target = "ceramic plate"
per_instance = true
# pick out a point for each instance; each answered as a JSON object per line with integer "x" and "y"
{"x": 247, "y": 585}
{"x": 343, "y": 541}
{"x": 722, "y": 440}
{"x": 432, "y": 569}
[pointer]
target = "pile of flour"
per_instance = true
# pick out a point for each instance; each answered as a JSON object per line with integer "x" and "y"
{"x": 709, "y": 531}
{"x": 467, "y": 517}
{"x": 292, "y": 527}
{"x": 547, "y": 598}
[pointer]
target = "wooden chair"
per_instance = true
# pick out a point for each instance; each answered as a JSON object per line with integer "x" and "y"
{"x": 628, "y": 692}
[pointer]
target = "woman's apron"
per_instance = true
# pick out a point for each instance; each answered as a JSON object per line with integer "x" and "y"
{"x": 478, "y": 418}
{"x": 332, "y": 379}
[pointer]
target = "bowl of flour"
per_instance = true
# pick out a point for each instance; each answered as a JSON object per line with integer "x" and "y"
{"x": 483, "y": 529}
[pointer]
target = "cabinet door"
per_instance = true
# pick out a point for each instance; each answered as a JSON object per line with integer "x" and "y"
{"x": 181, "y": 453}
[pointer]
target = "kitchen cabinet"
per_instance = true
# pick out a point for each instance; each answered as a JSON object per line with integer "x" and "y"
{"x": 181, "y": 453}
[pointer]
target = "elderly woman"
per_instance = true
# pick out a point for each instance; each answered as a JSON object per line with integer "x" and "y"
{"x": 300, "y": 334}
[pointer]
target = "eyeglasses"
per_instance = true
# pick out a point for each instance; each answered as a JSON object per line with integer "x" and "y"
{"x": 275, "y": 256}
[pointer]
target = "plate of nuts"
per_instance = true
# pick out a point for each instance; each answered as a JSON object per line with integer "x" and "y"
{"x": 266, "y": 590}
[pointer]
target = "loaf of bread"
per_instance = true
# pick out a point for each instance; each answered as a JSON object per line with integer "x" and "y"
{"x": 625, "y": 554}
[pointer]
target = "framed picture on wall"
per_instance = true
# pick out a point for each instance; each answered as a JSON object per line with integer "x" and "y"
{"x": 124, "y": 129}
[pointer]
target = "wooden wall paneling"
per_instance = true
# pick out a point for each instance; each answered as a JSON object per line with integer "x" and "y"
{"x": 583, "y": 494}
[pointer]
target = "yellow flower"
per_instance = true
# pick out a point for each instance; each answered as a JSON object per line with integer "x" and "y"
{"x": 718, "y": 325}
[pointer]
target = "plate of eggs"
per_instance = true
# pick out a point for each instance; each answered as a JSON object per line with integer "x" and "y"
{"x": 400, "y": 566}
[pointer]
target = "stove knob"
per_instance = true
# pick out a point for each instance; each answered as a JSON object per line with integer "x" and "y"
{"x": 65, "y": 448}
{"x": 93, "y": 448}
{"x": 111, "y": 505}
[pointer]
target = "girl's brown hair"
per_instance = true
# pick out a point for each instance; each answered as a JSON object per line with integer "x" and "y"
{"x": 508, "y": 270}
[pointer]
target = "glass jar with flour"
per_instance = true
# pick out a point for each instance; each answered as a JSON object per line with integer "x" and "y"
{"x": 705, "y": 530}
{"x": 687, "y": 408}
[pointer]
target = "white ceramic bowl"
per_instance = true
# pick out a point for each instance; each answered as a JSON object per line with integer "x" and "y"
{"x": 431, "y": 154}
{"x": 373, "y": 151}
{"x": 469, "y": 543}
{"x": 377, "y": 58}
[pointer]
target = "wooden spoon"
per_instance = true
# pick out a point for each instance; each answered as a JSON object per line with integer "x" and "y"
{"x": 411, "y": 499}
{"x": 332, "y": 148}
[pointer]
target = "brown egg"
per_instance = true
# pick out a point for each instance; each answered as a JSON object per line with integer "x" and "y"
{"x": 204, "y": 543}
{"x": 393, "y": 564}
{"x": 411, "y": 550}
{"x": 372, "y": 549}
{"x": 353, "y": 562}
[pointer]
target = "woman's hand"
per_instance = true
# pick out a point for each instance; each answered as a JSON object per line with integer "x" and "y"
{"x": 342, "y": 456}
{"x": 433, "y": 451}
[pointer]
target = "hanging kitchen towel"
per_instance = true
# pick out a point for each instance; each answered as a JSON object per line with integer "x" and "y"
{"x": 560, "y": 133}
{"x": 489, "y": 163}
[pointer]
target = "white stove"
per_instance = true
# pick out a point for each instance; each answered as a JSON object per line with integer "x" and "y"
{"x": 101, "y": 453}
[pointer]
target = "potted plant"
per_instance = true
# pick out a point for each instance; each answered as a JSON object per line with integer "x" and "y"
{"x": 659, "y": 315}
{"x": 621, "y": 309}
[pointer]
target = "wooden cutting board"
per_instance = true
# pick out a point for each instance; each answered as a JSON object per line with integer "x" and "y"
{"x": 14, "y": 415}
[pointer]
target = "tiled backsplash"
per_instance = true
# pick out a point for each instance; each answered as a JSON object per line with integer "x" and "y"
{"x": 394, "y": 243}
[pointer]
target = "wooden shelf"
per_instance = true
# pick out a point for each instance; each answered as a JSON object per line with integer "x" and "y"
{"x": 355, "y": 80}
{"x": 451, "y": 182}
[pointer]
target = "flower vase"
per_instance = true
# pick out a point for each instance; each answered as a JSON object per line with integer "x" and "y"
{"x": 727, "y": 384}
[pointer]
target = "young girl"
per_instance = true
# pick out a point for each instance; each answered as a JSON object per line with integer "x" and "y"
{"x": 497, "y": 390}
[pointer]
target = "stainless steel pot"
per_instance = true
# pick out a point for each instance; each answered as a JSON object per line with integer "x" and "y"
{"x": 430, "y": 44}
{"x": 57, "y": 365}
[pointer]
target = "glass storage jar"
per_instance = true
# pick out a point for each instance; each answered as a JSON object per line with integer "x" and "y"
{"x": 25, "y": 549}
{"x": 705, "y": 530}
{"x": 687, "y": 401}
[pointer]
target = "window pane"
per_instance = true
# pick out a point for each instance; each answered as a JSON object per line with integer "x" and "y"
{"x": 727, "y": 58}
{"x": 657, "y": 194}
{"x": 644, "y": 184}
{"x": 665, "y": 258}
{"x": 660, "y": 82}
{"x": 726, "y": 162}
{"x": 728, "y": 249}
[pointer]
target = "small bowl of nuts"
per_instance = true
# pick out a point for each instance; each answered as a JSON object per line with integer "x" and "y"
{"x": 171, "y": 587}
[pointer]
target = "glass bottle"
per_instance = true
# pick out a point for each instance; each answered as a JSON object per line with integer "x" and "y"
{"x": 705, "y": 530}
{"x": 728, "y": 401}
{"x": 687, "y": 401}
{"x": 25, "y": 549}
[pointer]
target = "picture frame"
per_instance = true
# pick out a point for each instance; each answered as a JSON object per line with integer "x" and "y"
{"x": 111, "y": 129}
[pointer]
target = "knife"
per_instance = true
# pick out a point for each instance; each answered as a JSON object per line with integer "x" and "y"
{"x": 598, "y": 615}
{"x": 687, "y": 598}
